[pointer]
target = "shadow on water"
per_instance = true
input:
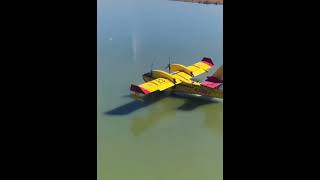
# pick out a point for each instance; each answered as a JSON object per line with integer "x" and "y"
{"x": 135, "y": 105}
{"x": 140, "y": 124}
{"x": 161, "y": 111}
{"x": 191, "y": 103}
{"x": 127, "y": 96}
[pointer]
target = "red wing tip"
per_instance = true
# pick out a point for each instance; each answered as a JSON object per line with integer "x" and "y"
{"x": 208, "y": 61}
{"x": 139, "y": 89}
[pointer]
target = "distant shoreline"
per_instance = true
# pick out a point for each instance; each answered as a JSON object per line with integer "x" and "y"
{"x": 216, "y": 2}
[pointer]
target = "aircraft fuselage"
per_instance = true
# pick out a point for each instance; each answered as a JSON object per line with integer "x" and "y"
{"x": 189, "y": 86}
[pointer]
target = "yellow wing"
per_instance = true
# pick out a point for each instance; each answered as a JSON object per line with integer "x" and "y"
{"x": 194, "y": 70}
{"x": 158, "y": 84}
{"x": 201, "y": 67}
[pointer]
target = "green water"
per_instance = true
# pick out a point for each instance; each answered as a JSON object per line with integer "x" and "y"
{"x": 167, "y": 137}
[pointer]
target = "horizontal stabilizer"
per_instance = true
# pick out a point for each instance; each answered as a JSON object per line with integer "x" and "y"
{"x": 211, "y": 84}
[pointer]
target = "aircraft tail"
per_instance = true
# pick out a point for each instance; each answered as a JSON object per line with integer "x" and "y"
{"x": 219, "y": 73}
{"x": 217, "y": 77}
{"x": 216, "y": 80}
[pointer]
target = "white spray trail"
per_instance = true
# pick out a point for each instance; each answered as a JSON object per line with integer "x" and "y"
{"x": 134, "y": 47}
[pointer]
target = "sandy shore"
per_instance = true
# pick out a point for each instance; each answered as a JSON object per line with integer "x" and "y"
{"x": 220, "y": 2}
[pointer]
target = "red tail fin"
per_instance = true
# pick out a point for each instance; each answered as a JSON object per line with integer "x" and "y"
{"x": 214, "y": 79}
{"x": 212, "y": 82}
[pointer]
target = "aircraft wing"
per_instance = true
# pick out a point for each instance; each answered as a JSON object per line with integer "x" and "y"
{"x": 158, "y": 84}
{"x": 201, "y": 67}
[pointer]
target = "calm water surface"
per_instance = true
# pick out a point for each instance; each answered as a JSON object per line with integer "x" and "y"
{"x": 168, "y": 138}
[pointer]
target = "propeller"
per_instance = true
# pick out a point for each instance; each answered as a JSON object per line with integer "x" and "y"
{"x": 152, "y": 66}
{"x": 168, "y": 66}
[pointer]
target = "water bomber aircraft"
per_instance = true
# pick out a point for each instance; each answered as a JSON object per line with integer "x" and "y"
{"x": 180, "y": 79}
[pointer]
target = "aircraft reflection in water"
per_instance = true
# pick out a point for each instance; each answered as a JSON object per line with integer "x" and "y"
{"x": 161, "y": 110}
{"x": 159, "y": 113}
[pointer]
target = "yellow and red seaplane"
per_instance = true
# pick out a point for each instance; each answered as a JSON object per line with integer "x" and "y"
{"x": 180, "y": 79}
